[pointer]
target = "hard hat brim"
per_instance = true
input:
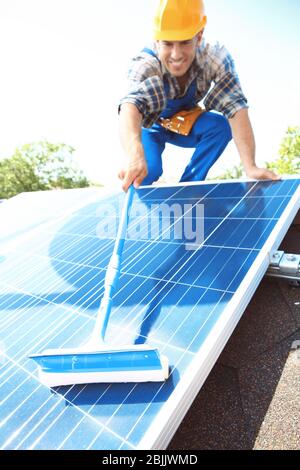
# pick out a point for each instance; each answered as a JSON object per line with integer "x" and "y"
{"x": 181, "y": 35}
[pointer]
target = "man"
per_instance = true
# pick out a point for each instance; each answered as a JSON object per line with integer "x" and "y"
{"x": 171, "y": 78}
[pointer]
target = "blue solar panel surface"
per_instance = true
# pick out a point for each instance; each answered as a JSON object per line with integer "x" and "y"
{"x": 28, "y": 210}
{"x": 172, "y": 291}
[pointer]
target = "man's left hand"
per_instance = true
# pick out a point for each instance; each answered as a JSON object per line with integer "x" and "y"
{"x": 261, "y": 174}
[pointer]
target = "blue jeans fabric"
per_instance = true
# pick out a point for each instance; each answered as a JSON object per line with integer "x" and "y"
{"x": 209, "y": 137}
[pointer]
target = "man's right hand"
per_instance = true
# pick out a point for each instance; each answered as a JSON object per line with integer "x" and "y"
{"x": 134, "y": 173}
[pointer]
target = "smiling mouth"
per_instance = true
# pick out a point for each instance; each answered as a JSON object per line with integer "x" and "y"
{"x": 176, "y": 64}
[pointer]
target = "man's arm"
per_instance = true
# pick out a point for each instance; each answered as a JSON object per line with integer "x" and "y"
{"x": 244, "y": 139}
{"x": 130, "y": 133}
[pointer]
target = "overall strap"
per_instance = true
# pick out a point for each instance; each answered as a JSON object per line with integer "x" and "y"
{"x": 151, "y": 52}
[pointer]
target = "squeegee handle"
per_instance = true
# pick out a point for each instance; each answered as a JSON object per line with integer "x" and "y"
{"x": 114, "y": 265}
{"x": 114, "y": 268}
{"x": 122, "y": 230}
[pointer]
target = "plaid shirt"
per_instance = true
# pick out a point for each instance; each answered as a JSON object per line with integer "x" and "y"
{"x": 213, "y": 68}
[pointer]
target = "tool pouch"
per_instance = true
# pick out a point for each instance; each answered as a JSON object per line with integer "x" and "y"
{"x": 183, "y": 121}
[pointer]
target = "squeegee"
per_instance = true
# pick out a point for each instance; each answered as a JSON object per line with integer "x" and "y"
{"x": 96, "y": 361}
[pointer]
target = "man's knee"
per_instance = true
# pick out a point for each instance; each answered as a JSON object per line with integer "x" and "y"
{"x": 223, "y": 127}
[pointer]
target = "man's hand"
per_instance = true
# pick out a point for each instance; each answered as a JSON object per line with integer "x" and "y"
{"x": 134, "y": 174}
{"x": 261, "y": 174}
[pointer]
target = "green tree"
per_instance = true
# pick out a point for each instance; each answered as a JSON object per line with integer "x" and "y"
{"x": 235, "y": 172}
{"x": 40, "y": 166}
{"x": 289, "y": 154}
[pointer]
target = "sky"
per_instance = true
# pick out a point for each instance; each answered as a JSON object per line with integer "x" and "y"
{"x": 64, "y": 65}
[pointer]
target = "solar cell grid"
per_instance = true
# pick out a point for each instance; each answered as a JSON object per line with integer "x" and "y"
{"x": 169, "y": 296}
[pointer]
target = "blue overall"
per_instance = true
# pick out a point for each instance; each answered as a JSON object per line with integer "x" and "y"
{"x": 209, "y": 136}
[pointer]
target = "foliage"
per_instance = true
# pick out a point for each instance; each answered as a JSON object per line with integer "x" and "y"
{"x": 288, "y": 162}
{"x": 231, "y": 173}
{"x": 40, "y": 166}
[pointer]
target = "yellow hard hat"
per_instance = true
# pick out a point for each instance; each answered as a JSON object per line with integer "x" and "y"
{"x": 178, "y": 20}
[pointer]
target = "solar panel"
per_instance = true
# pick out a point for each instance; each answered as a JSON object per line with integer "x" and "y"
{"x": 27, "y": 211}
{"x": 193, "y": 258}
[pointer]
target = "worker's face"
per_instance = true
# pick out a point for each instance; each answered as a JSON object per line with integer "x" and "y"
{"x": 177, "y": 56}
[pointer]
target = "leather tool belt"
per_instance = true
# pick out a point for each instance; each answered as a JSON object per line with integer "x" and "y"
{"x": 183, "y": 121}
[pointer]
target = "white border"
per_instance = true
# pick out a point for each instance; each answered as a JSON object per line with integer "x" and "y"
{"x": 169, "y": 418}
